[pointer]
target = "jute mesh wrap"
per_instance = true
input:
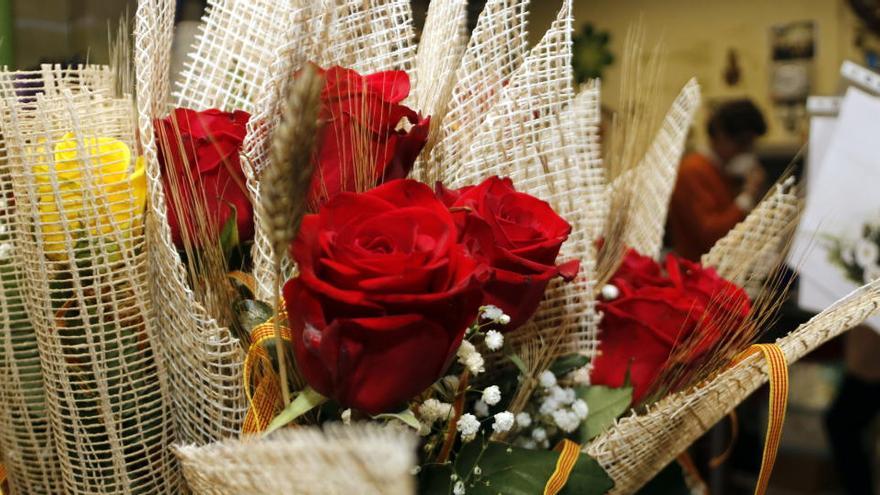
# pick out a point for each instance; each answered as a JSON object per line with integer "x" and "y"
{"x": 362, "y": 459}
{"x": 639, "y": 446}
{"x": 653, "y": 179}
{"x": 495, "y": 50}
{"x": 29, "y": 454}
{"x": 752, "y": 249}
{"x": 204, "y": 361}
{"x": 84, "y": 264}
{"x": 544, "y": 139}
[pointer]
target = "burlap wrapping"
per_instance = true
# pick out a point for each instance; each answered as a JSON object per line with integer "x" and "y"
{"x": 29, "y": 454}
{"x": 362, "y": 459}
{"x": 754, "y": 248}
{"x": 84, "y": 264}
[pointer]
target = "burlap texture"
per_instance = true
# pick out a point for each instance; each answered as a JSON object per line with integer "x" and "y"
{"x": 362, "y": 459}
{"x": 29, "y": 454}
{"x": 84, "y": 264}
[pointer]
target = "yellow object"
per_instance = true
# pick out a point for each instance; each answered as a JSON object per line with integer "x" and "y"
{"x": 265, "y": 402}
{"x": 568, "y": 456}
{"x": 90, "y": 187}
{"x": 777, "y": 369}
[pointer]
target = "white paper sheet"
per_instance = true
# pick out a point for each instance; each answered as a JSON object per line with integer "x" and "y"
{"x": 843, "y": 194}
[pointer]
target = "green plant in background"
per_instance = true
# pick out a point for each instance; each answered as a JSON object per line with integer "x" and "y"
{"x": 590, "y": 53}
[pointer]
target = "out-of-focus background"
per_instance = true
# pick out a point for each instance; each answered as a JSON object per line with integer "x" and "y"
{"x": 775, "y": 53}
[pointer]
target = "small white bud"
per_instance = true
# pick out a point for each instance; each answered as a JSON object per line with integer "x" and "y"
{"x": 468, "y": 425}
{"x": 494, "y": 340}
{"x": 580, "y": 408}
{"x": 459, "y": 488}
{"x": 492, "y": 395}
{"x": 346, "y": 417}
{"x": 610, "y": 292}
{"x": 523, "y": 420}
{"x": 547, "y": 379}
{"x": 503, "y": 422}
{"x": 481, "y": 409}
{"x": 539, "y": 434}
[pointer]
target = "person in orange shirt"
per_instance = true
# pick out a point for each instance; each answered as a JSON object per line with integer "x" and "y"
{"x": 716, "y": 188}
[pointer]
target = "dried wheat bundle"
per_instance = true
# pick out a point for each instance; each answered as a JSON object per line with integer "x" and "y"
{"x": 340, "y": 459}
{"x": 29, "y": 454}
{"x": 79, "y": 196}
{"x": 639, "y": 446}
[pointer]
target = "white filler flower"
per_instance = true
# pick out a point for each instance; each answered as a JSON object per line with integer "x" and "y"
{"x": 503, "y": 422}
{"x": 492, "y": 395}
{"x": 494, "y": 340}
{"x": 468, "y": 425}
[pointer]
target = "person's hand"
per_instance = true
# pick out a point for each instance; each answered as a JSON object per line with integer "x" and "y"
{"x": 754, "y": 182}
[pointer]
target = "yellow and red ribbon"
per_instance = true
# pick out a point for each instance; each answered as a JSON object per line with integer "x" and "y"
{"x": 777, "y": 369}
{"x": 265, "y": 401}
{"x": 568, "y": 456}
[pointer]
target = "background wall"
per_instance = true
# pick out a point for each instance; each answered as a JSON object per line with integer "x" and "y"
{"x": 698, "y": 34}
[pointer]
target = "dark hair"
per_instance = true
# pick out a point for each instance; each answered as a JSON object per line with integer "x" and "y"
{"x": 738, "y": 119}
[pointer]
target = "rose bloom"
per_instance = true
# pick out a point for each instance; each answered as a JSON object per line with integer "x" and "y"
{"x": 118, "y": 191}
{"x": 383, "y": 297}
{"x": 524, "y": 237}
{"x": 199, "y": 155}
{"x": 364, "y": 140}
{"x": 687, "y": 310}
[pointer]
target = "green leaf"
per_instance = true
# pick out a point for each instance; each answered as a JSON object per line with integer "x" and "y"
{"x": 307, "y": 400}
{"x": 518, "y": 362}
{"x": 251, "y": 313}
{"x": 405, "y": 416}
{"x": 606, "y": 404}
{"x": 229, "y": 234}
{"x": 670, "y": 481}
{"x": 568, "y": 363}
{"x": 511, "y": 471}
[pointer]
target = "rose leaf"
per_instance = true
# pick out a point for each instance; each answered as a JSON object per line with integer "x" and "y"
{"x": 606, "y": 404}
{"x": 307, "y": 400}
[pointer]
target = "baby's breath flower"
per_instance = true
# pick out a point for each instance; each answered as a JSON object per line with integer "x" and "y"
{"x": 547, "y": 379}
{"x": 523, "y": 420}
{"x": 346, "y": 417}
{"x": 458, "y": 489}
{"x": 477, "y": 470}
{"x": 432, "y": 410}
{"x": 539, "y": 434}
{"x": 580, "y": 408}
{"x": 470, "y": 358}
{"x": 494, "y": 340}
{"x": 566, "y": 420}
{"x": 492, "y": 395}
{"x": 481, "y": 409}
{"x": 548, "y": 406}
{"x": 503, "y": 422}
{"x": 491, "y": 313}
{"x": 468, "y": 426}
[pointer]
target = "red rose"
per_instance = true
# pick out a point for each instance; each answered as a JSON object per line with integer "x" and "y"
{"x": 362, "y": 141}
{"x": 383, "y": 298}
{"x": 685, "y": 310}
{"x": 525, "y": 236}
{"x": 199, "y": 155}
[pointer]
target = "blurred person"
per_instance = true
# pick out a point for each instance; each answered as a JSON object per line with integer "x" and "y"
{"x": 851, "y": 416}
{"x": 717, "y": 187}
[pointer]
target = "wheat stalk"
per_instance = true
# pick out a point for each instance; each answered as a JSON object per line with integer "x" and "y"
{"x": 286, "y": 181}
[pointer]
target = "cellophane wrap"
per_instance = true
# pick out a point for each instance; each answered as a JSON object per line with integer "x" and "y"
{"x": 80, "y": 234}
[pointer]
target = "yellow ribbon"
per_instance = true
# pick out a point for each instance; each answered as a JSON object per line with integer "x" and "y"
{"x": 777, "y": 369}
{"x": 265, "y": 401}
{"x": 568, "y": 456}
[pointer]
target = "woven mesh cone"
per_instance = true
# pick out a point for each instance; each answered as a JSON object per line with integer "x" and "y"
{"x": 751, "y": 250}
{"x": 495, "y": 50}
{"x": 639, "y": 446}
{"x": 84, "y": 264}
{"x": 545, "y": 140}
{"x": 362, "y": 459}
{"x": 29, "y": 454}
{"x": 204, "y": 361}
{"x": 653, "y": 179}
